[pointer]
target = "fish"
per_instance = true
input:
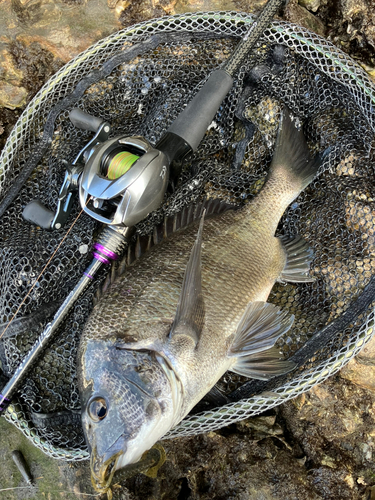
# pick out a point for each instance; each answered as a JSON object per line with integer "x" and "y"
{"x": 189, "y": 309}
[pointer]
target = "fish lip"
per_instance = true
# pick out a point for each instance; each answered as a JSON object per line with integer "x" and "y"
{"x": 100, "y": 482}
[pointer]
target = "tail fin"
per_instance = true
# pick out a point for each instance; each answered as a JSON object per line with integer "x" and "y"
{"x": 292, "y": 154}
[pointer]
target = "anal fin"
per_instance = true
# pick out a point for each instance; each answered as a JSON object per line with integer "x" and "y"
{"x": 299, "y": 257}
{"x": 264, "y": 365}
{"x": 253, "y": 346}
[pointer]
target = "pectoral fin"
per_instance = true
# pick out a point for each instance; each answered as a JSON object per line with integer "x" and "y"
{"x": 299, "y": 257}
{"x": 253, "y": 346}
{"x": 190, "y": 312}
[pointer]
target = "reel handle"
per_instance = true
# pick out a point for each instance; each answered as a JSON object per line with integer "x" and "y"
{"x": 83, "y": 120}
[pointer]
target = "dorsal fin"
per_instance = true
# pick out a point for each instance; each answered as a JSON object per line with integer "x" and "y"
{"x": 168, "y": 226}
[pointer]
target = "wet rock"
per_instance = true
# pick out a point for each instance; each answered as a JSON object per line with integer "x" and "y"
{"x": 39, "y": 36}
{"x": 334, "y": 425}
{"x": 135, "y": 12}
{"x": 34, "y": 59}
{"x": 8, "y": 70}
{"x": 12, "y": 96}
{"x": 31, "y": 12}
{"x": 370, "y": 69}
{"x": 12, "y": 93}
{"x": 64, "y": 28}
{"x": 182, "y": 6}
{"x": 312, "y": 5}
{"x": 351, "y": 26}
{"x": 253, "y": 6}
{"x": 225, "y": 465}
{"x": 298, "y": 14}
{"x": 250, "y": 6}
{"x": 8, "y": 119}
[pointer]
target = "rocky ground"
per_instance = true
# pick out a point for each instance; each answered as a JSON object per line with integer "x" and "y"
{"x": 318, "y": 446}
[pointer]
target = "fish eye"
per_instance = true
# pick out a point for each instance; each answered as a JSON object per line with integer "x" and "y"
{"x": 97, "y": 409}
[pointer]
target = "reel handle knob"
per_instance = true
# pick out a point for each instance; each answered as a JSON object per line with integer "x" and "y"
{"x": 83, "y": 120}
{"x": 36, "y": 213}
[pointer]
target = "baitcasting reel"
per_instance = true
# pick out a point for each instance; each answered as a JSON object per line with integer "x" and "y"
{"x": 119, "y": 180}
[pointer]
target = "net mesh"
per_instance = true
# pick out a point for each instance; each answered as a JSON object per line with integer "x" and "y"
{"x": 139, "y": 80}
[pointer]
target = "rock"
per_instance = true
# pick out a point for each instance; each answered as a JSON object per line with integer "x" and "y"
{"x": 360, "y": 374}
{"x": 367, "y": 354}
{"x": 35, "y": 60}
{"x": 8, "y": 70}
{"x": 8, "y": 119}
{"x": 64, "y": 28}
{"x": 12, "y": 93}
{"x": 312, "y": 5}
{"x": 135, "y": 12}
{"x": 12, "y": 96}
{"x": 352, "y": 27}
{"x": 361, "y": 370}
{"x": 251, "y": 6}
{"x": 334, "y": 425}
{"x": 298, "y": 14}
{"x": 370, "y": 69}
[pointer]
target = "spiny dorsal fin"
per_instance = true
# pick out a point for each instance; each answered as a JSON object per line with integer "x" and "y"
{"x": 173, "y": 223}
{"x": 260, "y": 326}
{"x": 189, "y": 319}
{"x": 169, "y": 225}
{"x": 298, "y": 260}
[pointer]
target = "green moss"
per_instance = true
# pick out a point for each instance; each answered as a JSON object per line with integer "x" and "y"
{"x": 52, "y": 478}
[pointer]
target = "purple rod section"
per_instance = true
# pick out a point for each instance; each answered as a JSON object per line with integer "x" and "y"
{"x": 4, "y": 401}
{"x": 105, "y": 251}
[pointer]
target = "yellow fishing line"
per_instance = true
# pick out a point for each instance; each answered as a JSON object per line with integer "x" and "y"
{"x": 120, "y": 164}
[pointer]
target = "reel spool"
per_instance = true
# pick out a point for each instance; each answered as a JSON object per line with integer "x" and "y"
{"x": 118, "y": 163}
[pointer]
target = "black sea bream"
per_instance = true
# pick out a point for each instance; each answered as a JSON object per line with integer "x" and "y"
{"x": 187, "y": 311}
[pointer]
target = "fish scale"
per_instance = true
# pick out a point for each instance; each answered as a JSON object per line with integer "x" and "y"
{"x": 226, "y": 264}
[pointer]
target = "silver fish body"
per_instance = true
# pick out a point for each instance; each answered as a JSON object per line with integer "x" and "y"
{"x": 187, "y": 311}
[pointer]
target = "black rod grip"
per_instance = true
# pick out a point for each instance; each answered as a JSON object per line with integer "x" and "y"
{"x": 173, "y": 146}
{"x": 83, "y": 120}
{"x": 192, "y": 123}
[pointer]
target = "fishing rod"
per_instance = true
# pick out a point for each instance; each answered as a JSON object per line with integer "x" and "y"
{"x": 121, "y": 180}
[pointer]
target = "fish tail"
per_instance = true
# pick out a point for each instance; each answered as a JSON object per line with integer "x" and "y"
{"x": 291, "y": 170}
{"x": 292, "y": 159}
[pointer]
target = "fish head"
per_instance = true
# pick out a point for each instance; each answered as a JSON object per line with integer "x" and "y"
{"x": 130, "y": 399}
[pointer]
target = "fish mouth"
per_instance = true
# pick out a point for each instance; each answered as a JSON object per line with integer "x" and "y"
{"x": 102, "y": 472}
